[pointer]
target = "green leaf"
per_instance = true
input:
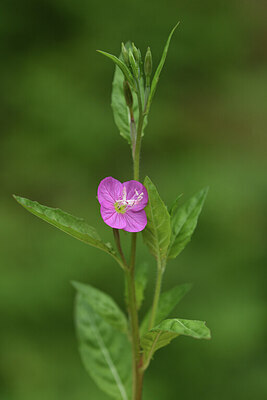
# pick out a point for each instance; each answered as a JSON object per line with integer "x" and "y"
{"x": 184, "y": 221}
{"x": 159, "y": 68}
{"x": 125, "y": 70}
{"x": 103, "y": 305}
{"x": 169, "y": 329}
{"x": 175, "y": 203}
{"x": 74, "y": 226}
{"x": 158, "y": 230}
{"x": 120, "y": 110}
{"x": 105, "y": 352}
{"x": 168, "y": 300}
{"x": 119, "y": 107}
{"x": 140, "y": 282}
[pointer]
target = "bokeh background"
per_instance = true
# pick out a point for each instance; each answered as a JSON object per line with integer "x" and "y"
{"x": 58, "y": 140}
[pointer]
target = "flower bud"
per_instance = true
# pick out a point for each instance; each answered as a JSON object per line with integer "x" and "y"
{"x": 128, "y": 94}
{"x": 140, "y": 56}
{"x": 148, "y": 63}
{"x": 135, "y": 53}
{"x": 133, "y": 63}
{"x": 124, "y": 53}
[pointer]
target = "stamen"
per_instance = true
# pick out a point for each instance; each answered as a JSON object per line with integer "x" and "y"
{"x": 124, "y": 194}
{"x": 123, "y": 204}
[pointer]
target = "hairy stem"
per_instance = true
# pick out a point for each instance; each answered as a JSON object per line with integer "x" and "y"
{"x": 130, "y": 274}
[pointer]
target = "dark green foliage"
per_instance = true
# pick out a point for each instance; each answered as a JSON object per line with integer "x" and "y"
{"x": 208, "y": 126}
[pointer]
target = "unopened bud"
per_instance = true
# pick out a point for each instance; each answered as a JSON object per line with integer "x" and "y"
{"x": 128, "y": 94}
{"x": 133, "y": 63}
{"x": 124, "y": 53}
{"x": 140, "y": 56}
{"x": 148, "y": 63}
{"x": 135, "y": 52}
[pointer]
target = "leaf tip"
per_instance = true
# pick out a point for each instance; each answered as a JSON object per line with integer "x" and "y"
{"x": 102, "y": 52}
{"x": 75, "y": 284}
{"x": 205, "y": 191}
{"x": 18, "y": 198}
{"x": 188, "y": 286}
{"x": 208, "y": 337}
{"x": 174, "y": 28}
{"x": 147, "y": 180}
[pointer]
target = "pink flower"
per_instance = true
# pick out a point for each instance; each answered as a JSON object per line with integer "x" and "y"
{"x": 122, "y": 204}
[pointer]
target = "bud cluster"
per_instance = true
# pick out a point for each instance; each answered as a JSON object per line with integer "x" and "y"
{"x": 133, "y": 59}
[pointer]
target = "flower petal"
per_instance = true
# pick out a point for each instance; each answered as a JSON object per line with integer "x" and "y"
{"x": 131, "y": 188}
{"x": 135, "y": 221}
{"x": 109, "y": 190}
{"x": 111, "y": 217}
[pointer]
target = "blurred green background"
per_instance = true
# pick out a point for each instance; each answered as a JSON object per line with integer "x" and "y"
{"x": 58, "y": 140}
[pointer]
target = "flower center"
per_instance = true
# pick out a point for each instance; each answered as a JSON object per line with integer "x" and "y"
{"x": 123, "y": 204}
{"x": 120, "y": 208}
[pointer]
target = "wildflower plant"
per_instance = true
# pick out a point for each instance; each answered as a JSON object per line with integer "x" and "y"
{"x": 112, "y": 344}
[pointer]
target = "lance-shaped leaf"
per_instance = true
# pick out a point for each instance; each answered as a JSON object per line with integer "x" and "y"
{"x": 168, "y": 300}
{"x": 158, "y": 230}
{"x": 162, "y": 334}
{"x": 121, "y": 111}
{"x": 158, "y": 70}
{"x": 125, "y": 70}
{"x": 103, "y": 305}
{"x": 175, "y": 204}
{"x": 74, "y": 226}
{"x": 105, "y": 352}
{"x": 184, "y": 221}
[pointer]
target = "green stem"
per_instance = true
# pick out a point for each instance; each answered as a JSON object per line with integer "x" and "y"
{"x": 130, "y": 273}
{"x": 147, "y": 92}
{"x": 156, "y": 296}
{"x": 133, "y": 314}
{"x": 133, "y": 317}
{"x": 133, "y": 131}
{"x": 116, "y": 234}
{"x": 119, "y": 261}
